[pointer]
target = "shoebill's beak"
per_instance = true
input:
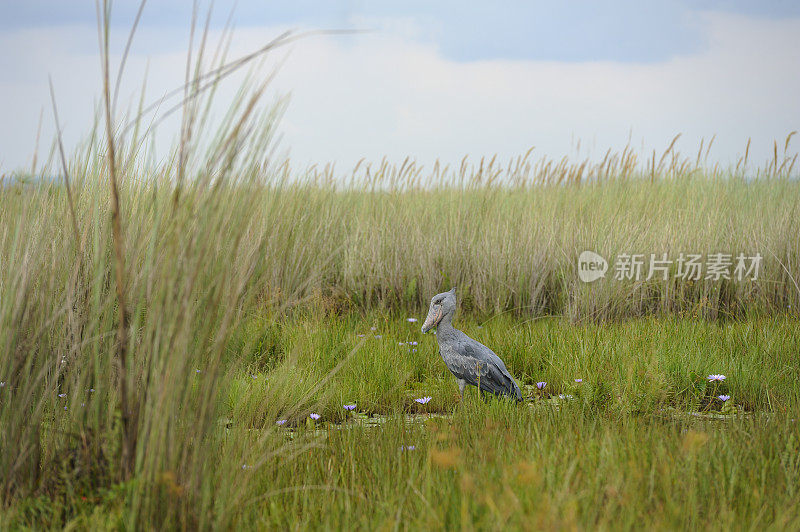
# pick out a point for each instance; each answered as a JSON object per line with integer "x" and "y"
{"x": 435, "y": 315}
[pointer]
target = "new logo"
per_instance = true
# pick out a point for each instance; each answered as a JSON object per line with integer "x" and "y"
{"x": 591, "y": 266}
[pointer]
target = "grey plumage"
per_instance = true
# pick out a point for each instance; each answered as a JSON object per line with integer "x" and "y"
{"x": 468, "y": 360}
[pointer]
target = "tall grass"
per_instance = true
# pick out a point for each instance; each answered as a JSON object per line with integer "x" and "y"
{"x": 509, "y": 250}
{"x": 118, "y": 300}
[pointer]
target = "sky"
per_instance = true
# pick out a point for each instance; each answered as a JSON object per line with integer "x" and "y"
{"x": 435, "y": 80}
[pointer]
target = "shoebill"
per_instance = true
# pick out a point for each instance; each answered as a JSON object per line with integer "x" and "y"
{"x": 468, "y": 360}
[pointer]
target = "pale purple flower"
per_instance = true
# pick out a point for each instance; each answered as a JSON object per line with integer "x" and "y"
{"x": 349, "y": 407}
{"x": 281, "y": 421}
{"x": 197, "y": 371}
{"x": 413, "y": 350}
{"x": 91, "y": 390}
{"x": 411, "y": 320}
{"x": 65, "y": 408}
{"x": 254, "y": 376}
{"x": 314, "y": 416}
{"x": 567, "y": 396}
{"x": 541, "y": 385}
{"x": 378, "y": 336}
{"x": 578, "y": 380}
{"x": 244, "y": 466}
{"x": 408, "y": 448}
{"x": 62, "y": 395}
{"x": 361, "y": 335}
{"x": 719, "y": 378}
{"x": 413, "y": 343}
{"x": 724, "y": 398}
{"x": 423, "y": 400}
{"x": 373, "y": 328}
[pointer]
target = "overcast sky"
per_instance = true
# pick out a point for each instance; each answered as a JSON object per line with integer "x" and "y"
{"x": 439, "y": 79}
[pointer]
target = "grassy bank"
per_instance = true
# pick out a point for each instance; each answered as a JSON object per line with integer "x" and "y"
{"x": 228, "y": 284}
{"x": 230, "y": 280}
{"x": 643, "y": 440}
{"x": 639, "y": 367}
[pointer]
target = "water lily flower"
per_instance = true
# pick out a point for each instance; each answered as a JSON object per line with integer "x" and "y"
{"x": 280, "y": 422}
{"x": 314, "y": 416}
{"x": 541, "y": 385}
{"x": 423, "y": 400}
{"x": 411, "y": 320}
{"x": 349, "y": 407}
{"x": 712, "y": 378}
{"x": 724, "y": 398}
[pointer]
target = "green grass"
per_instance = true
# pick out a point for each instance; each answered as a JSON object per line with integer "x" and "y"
{"x": 252, "y": 276}
{"x": 636, "y": 367}
{"x": 625, "y": 452}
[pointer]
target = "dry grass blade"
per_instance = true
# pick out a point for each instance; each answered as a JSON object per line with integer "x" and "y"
{"x": 127, "y": 413}
{"x": 70, "y": 202}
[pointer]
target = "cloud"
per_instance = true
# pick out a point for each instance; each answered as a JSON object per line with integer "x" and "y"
{"x": 389, "y": 93}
